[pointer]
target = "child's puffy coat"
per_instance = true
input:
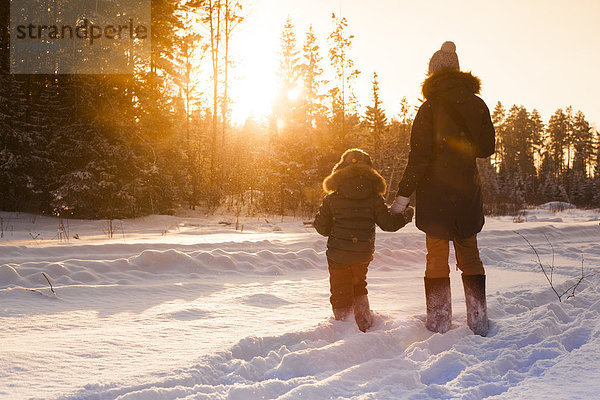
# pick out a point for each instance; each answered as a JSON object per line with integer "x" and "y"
{"x": 350, "y": 211}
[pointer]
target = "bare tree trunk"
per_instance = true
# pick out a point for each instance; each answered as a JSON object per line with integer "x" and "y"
{"x": 344, "y": 103}
{"x": 224, "y": 103}
{"x": 213, "y": 8}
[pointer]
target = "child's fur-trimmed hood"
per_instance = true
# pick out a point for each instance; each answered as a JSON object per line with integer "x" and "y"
{"x": 334, "y": 180}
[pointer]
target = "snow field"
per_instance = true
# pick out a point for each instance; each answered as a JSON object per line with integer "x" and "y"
{"x": 244, "y": 316}
{"x": 397, "y": 359}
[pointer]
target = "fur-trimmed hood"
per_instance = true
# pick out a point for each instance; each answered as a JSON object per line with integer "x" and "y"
{"x": 338, "y": 180}
{"x": 449, "y": 80}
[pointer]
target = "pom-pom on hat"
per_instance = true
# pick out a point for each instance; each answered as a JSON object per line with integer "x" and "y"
{"x": 444, "y": 59}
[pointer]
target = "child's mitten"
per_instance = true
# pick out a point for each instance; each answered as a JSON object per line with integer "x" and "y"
{"x": 408, "y": 214}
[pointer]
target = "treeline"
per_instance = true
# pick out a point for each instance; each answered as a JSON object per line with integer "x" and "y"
{"x": 537, "y": 162}
{"x": 112, "y": 146}
{"x": 121, "y": 145}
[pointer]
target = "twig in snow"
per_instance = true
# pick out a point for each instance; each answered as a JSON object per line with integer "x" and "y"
{"x": 35, "y": 238}
{"x": 122, "y": 231}
{"x": 62, "y": 233}
{"x": 571, "y": 288}
{"x": 574, "y": 286}
{"x": 109, "y": 228}
{"x": 552, "y": 247}
{"x": 49, "y": 283}
{"x": 539, "y": 263}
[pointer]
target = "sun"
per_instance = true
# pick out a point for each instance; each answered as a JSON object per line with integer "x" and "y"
{"x": 254, "y": 82}
{"x": 294, "y": 94}
{"x": 254, "y": 94}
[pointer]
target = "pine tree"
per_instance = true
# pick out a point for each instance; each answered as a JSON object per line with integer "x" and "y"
{"x": 489, "y": 184}
{"x": 528, "y": 139}
{"x": 596, "y": 180}
{"x": 25, "y": 163}
{"x": 518, "y": 141}
{"x": 582, "y": 143}
{"x": 289, "y": 70}
{"x": 376, "y": 122}
{"x": 291, "y": 154}
{"x": 498, "y": 118}
{"x": 311, "y": 73}
{"x": 395, "y": 147}
{"x": 317, "y": 149}
{"x": 570, "y": 139}
{"x": 537, "y": 132}
{"x": 342, "y": 94}
{"x": 548, "y": 188}
{"x": 287, "y": 108}
{"x": 558, "y": 130}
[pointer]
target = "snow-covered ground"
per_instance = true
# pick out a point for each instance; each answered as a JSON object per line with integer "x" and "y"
{"x": 174, "y": 308}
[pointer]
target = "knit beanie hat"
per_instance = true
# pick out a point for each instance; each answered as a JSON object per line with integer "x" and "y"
{"x": 444, "y": 59}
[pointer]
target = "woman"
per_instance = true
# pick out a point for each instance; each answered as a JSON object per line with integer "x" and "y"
{"x": 451, "y": 129}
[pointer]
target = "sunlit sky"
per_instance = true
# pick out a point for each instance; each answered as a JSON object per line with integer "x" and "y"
{"x": 542, "y": 54}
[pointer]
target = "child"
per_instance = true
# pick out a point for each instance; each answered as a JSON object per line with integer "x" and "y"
{"x": 352, "y": 207}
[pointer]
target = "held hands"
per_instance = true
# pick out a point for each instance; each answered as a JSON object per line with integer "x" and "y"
{"x": 408, "y": 214}
{"x": 399, "y": 205}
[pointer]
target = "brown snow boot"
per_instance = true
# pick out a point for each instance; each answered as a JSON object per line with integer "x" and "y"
{"x": 477, "y": 318}
{"x": 439, "y": 304}
{"x": 340, "y": 314}
{"x": 362, "y": 312}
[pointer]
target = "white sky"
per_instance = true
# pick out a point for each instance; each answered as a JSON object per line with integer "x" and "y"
{"x": 542, "y": 54}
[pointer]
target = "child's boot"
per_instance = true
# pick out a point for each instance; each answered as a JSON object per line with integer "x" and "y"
{"x": 439, "y": 304}
{"x": 477, "y": 318}
{"x": 362, "y": 312}
{"x": 340, "y": 314}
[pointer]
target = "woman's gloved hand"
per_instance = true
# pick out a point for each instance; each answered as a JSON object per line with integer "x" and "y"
{"x": 399, "y": 204}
